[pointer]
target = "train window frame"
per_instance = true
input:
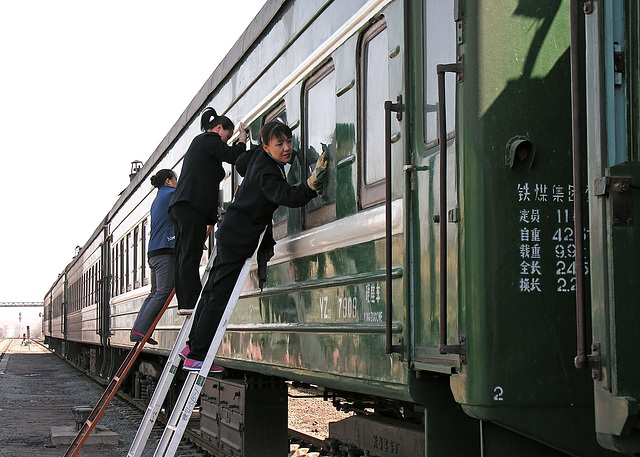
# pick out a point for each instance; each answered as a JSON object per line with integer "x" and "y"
{"x": 143, "y": 255}
{"x": 327, "y": 212}
{"x": 430, "y": 79}
{"x": 128, "y": 261}
{"x": 370, "y": 194}
{"x": 276, "y": 113}
{"x": 122, "y": 271}
{"x": 92, "y": 283}
{"x": 114, "y": 270}
{"x": 136, "y": 263}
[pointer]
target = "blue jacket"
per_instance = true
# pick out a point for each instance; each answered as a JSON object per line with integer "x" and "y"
{"x": 162, "y": 233}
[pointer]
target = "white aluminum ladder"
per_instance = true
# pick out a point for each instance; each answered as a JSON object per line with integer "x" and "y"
{"x": 192, "y": 387}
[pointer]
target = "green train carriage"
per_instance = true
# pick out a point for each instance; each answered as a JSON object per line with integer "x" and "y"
{"x": 499, "y": 73}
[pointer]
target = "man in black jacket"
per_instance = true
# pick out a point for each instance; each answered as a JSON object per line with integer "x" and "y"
{"x": 195, "y": 201}
{"x": 263, "y": 189}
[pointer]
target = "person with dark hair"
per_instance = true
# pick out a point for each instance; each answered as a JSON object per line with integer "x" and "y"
{"x": 263, "y": 189}
{"x": 160, "y": 254}
{"x": 195, "y": 202}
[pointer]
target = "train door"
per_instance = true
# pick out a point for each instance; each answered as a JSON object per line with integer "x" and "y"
{"x": 434, "y": 226}
{"x": 613, "y": 129}
{"x": 382, "y": 147}
{"x": 104, "y": 289}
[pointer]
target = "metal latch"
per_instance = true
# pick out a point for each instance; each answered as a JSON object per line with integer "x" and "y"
{"x": 595, "y": 362}
{"x": 618, "y": 189}
{"x": 588, "y": 6}
{"x": 618, "y": 64}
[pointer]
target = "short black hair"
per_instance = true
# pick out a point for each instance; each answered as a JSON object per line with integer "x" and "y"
{"x": 274, "y": 129}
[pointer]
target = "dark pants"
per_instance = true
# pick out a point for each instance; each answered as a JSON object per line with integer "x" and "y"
{"x": 191, "y": 229}
{"x": 224, "y": 274}
{"x": 161, "y": 286}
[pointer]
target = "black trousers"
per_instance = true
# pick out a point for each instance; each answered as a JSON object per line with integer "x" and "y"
{"x": 224, "y": 274}
{"x": 191, "y": 229}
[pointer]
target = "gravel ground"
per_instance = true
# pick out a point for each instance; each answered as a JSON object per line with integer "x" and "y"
{"x": 312, "y": 415}
{"x": 38, "y": 390}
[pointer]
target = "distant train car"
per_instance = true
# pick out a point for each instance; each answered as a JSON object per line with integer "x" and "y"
{"x": 431, "y": 286}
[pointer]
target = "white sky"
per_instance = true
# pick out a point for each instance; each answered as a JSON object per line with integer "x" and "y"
{"x": 86, "y": 88}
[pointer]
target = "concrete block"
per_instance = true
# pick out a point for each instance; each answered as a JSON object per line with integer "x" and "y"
{"x": 65, "y": 434}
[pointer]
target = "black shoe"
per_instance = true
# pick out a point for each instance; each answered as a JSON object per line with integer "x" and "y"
{"x": 138, "y": 336}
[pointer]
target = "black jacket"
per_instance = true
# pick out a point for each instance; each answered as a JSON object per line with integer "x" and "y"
{"x": 263, "y": 189}
{"x": 202, "y": 172}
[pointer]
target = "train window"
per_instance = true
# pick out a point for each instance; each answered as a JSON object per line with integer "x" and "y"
{"x": 98, "y": 282}
{"x": 143, "y": 255}
{"x": 128, "y": 261}
{"x": 114, "y": 271}
{"x": 278, "y": 114}
{"x": 319, "y": 136}
{"x": 121, "y": 267}
{"x": 374, "y": 91}
{"x": 114, "y": 262}
{"x": 439, "y": 48}
{"x": 92, "y": 284}
{"x": 136, "y": 235}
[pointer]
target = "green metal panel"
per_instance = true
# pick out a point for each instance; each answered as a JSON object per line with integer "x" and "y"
{"x": 324, "y": 314}
{"x": 517, "y": 298}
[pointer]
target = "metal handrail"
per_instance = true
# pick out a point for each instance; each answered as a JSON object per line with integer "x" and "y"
{"x": 388, "y": 108}
{"x": 442, "y": 115}
{"x": 578, "y": 226}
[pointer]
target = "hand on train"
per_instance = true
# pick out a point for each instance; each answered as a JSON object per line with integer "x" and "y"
{"x": 242, "y": 133}
{"x": 319, "y": 173}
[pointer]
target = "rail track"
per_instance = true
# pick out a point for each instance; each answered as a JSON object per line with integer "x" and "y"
{"x": 193, "y": 443}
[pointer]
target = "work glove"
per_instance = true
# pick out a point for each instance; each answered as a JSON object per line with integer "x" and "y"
{"x": 319, "y": 173}
{"x": 242, "y": 133}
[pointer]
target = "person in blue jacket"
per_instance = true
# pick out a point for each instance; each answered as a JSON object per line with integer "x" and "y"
{"x": 195, "y": 202}
{"x": 161, "y": 255}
